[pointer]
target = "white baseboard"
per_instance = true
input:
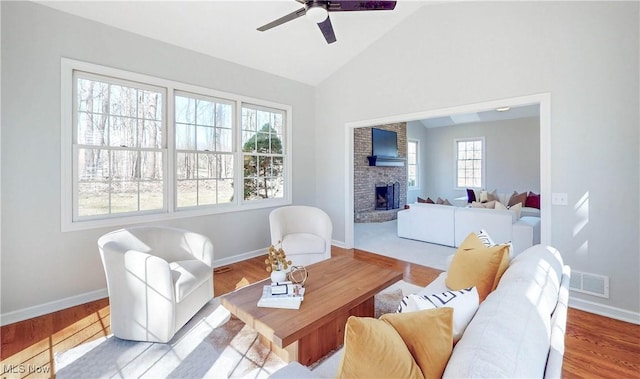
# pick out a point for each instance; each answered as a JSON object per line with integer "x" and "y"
{"x": 52, "y": 306}
{"x": 239, "y": 257}
{"x": 57, "y": 305}
{"x": 605, "y": 310}
{"x": 339, "y": 244}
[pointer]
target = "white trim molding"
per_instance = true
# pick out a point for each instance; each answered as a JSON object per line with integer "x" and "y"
{"x": 52, "y": 306}
{"x": 605, "y": 310}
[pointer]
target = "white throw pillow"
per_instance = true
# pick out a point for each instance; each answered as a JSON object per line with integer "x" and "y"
{"x": 501, "y": 206}
{"x": 488, "y": 241}
{"x": 485, "y": 238}
{"x": 516, "y": 209}
{"x": 464, "y": 303}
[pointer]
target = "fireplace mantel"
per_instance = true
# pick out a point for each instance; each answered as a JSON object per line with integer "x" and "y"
{"x": 385, "y": 161}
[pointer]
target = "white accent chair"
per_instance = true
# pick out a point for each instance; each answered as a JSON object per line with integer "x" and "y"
{"x": 157, "y": 277}
{"x": 305, "y": 233}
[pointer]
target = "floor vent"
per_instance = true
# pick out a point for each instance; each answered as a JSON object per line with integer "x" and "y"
{"x": 592, "y": 284}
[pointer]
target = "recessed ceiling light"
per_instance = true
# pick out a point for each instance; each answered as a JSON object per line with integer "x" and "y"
{"x": 503, "y": 109}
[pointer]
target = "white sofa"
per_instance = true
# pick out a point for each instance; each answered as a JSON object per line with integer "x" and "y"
{"x": 449, "y": 225}
{"x": 517, "y": 332}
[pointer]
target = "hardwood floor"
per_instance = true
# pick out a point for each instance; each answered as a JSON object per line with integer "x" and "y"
{"x": 596, "y": 346}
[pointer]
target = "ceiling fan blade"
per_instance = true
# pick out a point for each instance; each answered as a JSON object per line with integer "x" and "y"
{"x": 291, "y": 16}
{"x": 347, "y": 6}
{"x": 327, "y": 30}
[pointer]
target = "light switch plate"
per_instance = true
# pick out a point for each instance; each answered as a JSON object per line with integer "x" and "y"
{"x": 559, "y": 199}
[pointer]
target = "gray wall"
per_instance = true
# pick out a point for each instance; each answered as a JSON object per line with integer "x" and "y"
{"x": 585, "y": 54}
{"x": 512, "y": 156}
{"x": 39, "y": 263}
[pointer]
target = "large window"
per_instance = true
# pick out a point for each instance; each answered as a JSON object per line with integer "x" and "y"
{"x": 204, "y": 151}
{"x": 263, "y": 153}
{"x": 119, "y": 147}
{"x": 469, "y": 163}
{"x": 412, "y": 164}
{"x": 148, "y": 149}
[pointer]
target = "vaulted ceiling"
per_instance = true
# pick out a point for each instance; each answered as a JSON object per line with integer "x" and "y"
{"x": 227, "y": 30}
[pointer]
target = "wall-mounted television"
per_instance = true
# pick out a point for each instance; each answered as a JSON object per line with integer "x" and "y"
{"x": 385, "y": 143}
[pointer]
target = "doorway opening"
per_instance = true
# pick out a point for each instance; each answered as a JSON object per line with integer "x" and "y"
{"x": 542, "y": 100}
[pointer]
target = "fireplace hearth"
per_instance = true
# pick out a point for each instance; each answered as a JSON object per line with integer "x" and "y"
{"x": 387, "y": 196}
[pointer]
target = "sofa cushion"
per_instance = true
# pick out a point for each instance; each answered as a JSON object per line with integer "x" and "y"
{"x": 428, "y": 335}
{"x": 478, "y": 266}
{"x": 487, "y": 204}
{"x": 471, "y": 195}
{"x": 303, "y": 243}
{"x": 464, "y": 303}
{"x": 516, "y": 211}
{"x": 517, "y": 198}
{"x": 532, "y": 201}
{"x": 366, "y": 340}
{"x": 187, "y": 276}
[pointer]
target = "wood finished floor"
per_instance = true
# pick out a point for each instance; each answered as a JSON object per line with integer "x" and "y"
{"x": 596, "y": 346}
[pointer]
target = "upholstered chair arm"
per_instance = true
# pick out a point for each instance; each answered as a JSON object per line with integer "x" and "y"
{"x": 200, "y": 247}
{"x": 141, "y": 294}
{"x": 277, "y": 225}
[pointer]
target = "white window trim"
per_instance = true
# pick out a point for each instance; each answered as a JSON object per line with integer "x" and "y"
{"x": 417, "y": 142}
{"x": 483, "y": 178}
{"x": 67, "y": 170}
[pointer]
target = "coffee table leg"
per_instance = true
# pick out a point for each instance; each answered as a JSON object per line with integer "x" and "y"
{"x": 287, "y": 354}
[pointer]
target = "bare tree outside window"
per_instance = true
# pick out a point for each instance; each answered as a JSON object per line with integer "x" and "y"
{"x": 119, "y": 143}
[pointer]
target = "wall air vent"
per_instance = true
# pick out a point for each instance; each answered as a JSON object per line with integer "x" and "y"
{"x": 591, "y": 284}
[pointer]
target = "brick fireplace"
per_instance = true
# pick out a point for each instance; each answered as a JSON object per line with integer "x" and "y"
{"x": 368, "y": 181}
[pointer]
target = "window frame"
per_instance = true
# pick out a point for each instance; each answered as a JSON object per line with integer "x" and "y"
{"x": 456, "y": 184}
{"x": 69, "y": 155}
{"x": 417, "y": 164}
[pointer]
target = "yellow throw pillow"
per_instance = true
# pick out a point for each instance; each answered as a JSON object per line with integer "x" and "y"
{"x": 504, "y": 265}
{"x": 429, "y": 336}
{"x": 477, "y": 266}
{"x": 373, "y": 349}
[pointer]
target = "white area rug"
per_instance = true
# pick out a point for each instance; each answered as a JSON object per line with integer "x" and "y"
{"x": 211, "y": 345}
{"x": 382, "y": 238}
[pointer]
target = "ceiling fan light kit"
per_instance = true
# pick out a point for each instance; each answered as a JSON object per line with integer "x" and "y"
{"x": 318, "y": 11}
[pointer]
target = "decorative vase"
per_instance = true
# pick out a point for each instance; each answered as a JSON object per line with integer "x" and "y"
{"x": 278, "y": 276}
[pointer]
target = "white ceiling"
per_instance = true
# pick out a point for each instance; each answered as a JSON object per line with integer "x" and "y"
{"x": 227, "y": 30}
{"x": 485, "y": 116}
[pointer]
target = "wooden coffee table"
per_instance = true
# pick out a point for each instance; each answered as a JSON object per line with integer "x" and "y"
{"x": 336, "y": 289}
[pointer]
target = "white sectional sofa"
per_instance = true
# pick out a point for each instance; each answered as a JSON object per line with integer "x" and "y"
{"x": 518, "y": 331}
{"x": 449, "y": 225}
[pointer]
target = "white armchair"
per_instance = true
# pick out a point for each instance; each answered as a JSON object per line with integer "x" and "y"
{"x": 157, "y": 277}
{"x": 305, "y": 233}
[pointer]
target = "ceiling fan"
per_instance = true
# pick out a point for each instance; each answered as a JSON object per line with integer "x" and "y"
{"x": 318, "y": 11}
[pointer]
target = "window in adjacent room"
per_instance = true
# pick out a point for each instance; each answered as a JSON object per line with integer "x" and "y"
{"x": 412, "y": 164}
{"x": 469, "y": 163}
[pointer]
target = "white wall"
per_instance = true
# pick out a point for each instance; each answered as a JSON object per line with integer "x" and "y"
{"x": 39, "y": 263}
{"x": 417, "y": 131}
{"x": 512, "y": 156}
{"x": 585, "y": 54}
